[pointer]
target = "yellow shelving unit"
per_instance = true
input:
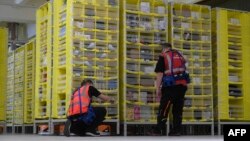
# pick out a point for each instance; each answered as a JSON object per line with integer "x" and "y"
{"x": 231, "y": 54}
{"x": 86, "y": 39}
{"x": 43, "y": 62}
{"x": 3, "y": 70}
{"x": 10, "y": 88}
{"x": 145, "y": 27}
{"x": 29, "y": 83}
{"x": 19, "y": 86}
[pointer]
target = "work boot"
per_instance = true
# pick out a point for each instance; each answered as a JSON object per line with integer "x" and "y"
{"x": 67, "y": 128}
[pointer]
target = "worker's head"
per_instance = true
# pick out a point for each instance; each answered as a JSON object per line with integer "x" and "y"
{"x": 166, "y": 47}
{"x": 87, "y": 82}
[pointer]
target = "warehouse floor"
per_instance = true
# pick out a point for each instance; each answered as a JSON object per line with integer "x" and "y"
{"x": 62, "y": 138}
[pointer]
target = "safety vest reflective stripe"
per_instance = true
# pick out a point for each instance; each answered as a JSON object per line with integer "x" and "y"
{"x": 169, "y": 62}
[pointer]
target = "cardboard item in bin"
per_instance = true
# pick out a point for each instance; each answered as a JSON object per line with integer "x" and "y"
{"x": 43, "y": 130}
{"x": 105, "y": 130}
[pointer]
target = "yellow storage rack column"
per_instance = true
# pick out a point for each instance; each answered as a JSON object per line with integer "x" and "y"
{"x": 144, "y": 26}
{"x": 190, "y": 27}
{"x": 10, "y": 90}
{"x": 19, "y": 87}
{"x": 86, "y": 39}
{"x": 43, "y": 84}
{"x": 231, "y": 62}
{"x": 3, "y": 74}
{"x": 29, "y": 83}
{"x": 246, "y": 62}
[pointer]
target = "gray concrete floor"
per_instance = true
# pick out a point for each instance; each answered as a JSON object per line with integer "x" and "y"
{"x": 107, "y": 138}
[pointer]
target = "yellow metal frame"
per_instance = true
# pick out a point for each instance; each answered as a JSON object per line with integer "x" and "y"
{"x": 232, "y": 63}
{"x": 29, "y": 83}
{"x": 19, "y": 85}
{"x": 190, "y": 27}
{"x": 130, "y": 108}
{"x": 3, "y": 68}
{"x": 72, "y": 36}
{"x": 43, "y": 61}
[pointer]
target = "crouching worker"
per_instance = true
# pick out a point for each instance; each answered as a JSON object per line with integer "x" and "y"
{"x": 82, "y": 118}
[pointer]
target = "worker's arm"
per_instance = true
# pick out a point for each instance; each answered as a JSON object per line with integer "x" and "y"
{"x": 105, "y": 98}
{"x": 159, "y": 76}
{"x": 159, "y": 69}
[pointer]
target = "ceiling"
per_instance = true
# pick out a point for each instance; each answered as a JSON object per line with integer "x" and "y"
{"x": 24, "y": 3}
{"x": 37, "y": 3}
{"x": 243, "y": 5}
{"x": 184, "y": 1}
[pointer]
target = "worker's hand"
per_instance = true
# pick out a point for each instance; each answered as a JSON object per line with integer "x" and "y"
{"x": 158, "y": 91}
{"x": 112, "y": 100}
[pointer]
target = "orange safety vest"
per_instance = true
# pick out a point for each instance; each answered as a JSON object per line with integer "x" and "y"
{"x": 79, "y": 102}
{"x": 174, "y": 59}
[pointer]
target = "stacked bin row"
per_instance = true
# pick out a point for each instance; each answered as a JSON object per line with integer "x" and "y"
{"x": 29, "y": 84}
{"x": 231, "y": 29}
{"x": 19, "y": 77}
{"x": 146, "y": 27}
{"x": 43, "y": 62}
{"x": 191, "y": 35}
{"x": 10, "y": 88}
{"x": 86, "y": 36}
{"x": 3, "y": 70}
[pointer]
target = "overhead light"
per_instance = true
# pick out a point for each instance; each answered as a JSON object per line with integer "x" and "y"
{"x": 18, "y": 1}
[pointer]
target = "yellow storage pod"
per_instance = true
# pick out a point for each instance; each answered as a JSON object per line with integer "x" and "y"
{"x": 29, "y": 83}
{"x": 145, "y": 26}
{"x": 231, "y": 61}
{"x": 19, "y": 86}
{"x": 3, "y": 70}
{"x": 43, "y": 61}
{"x": 86, "y": 38}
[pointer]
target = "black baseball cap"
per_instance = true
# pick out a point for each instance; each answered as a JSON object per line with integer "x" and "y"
{"x": 165, "y": 45}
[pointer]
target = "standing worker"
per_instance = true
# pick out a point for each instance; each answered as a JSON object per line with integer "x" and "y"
{"x": 171, "y": 86}
{"x": 83, "y": 119}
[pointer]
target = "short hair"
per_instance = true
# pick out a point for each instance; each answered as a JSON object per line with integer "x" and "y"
{"x": 166, "y": 45}
{"x": 85, "y": 81}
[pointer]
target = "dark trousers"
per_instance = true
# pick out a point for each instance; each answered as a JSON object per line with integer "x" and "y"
{"x": 79, "y": 127}
{"x": 173, "y": 95}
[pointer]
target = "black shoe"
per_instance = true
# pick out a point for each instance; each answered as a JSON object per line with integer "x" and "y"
{"x": 174, "y": 134}
{"x": 92, "y": 133}
{"x": 67, "y": 128}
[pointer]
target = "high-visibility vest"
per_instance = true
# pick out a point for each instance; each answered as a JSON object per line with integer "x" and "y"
{"x": 174, "y": 64}
{"x": 173, "y": 60}
{"x": 79, "y": 102}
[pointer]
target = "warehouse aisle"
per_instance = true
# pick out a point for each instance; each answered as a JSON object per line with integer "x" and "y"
{"x": 62, "y": 138}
